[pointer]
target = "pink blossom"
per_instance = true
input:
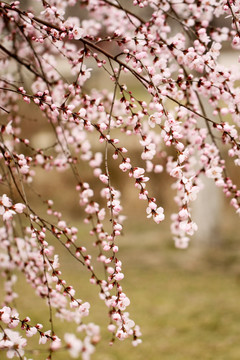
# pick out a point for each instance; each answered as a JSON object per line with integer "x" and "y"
{"x": 104, "y": 178}
{"x": 31, "y": 331}
{"x": 8, "y": 215}
{"x": 19, "y": 207}
{"x": 119, "y": 276}
{"x": 44, "y": 337}
{"x": 214, "y": 172}
{"x": 5, "y": 314}
{"x": 177, "y": 172}
{"x": 136, "y": 342}
{"x": 111, "y": 327}
{"x": 138, "y": 172}
{"x": 156, "y": 118}
{"x": 158, "y": 215}
{"x": 16, "y": 343}
{"x": 125, "y": 166}
{"x": 183, "y": 213}
{"x": 74, "y": 345}
{"x": 181, "y": 242}
{"x": 6, "y": 201}
{"x": 9, "y": 128}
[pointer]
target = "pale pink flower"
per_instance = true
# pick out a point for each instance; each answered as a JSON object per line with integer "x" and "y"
{"x": 138, "y": 172}
{"x": 125, "y": 166}
{"x": 214, "y": 172}
{"x": 119, "y": 276}
{"x": 44, "y": 337}
{"x": 111, "y": 327}
{"x": 8, "y": 215}
{"x": 6, "y": 201}
{"x": 183, "y": 213}
{"x": 74, "y": 345}
{"x": 156, "y": 118}
{"x": 104, "y": 178}
{"x": 181, "y": 242}
{"x": 18, "y": 342}
{"x": 77, "y": 32}
{"x": 159, "y": 215}
{"x": 19, "y": 207}
{"x": 5, "y": 314}
{"x": 24, "y": 169}
{"x": 177, "y": 172}
{"x": 56, "y": 343}
{"x": 9, "y": 128}
{"x": 136, "y": 342}
{"x": 31, "y": 331}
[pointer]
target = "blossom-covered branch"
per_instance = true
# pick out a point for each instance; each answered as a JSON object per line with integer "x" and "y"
{"x": 77, "y": 77}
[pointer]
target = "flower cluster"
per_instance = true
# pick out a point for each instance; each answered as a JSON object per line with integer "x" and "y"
{"x": 7, "y": 210}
